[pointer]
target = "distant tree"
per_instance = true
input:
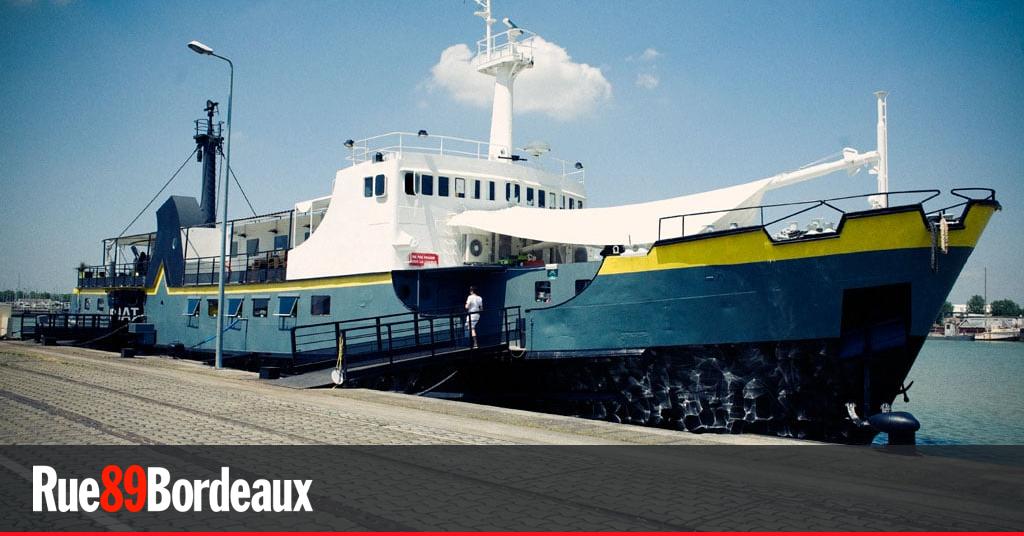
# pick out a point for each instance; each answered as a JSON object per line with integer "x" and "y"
{"x": 947, "y": 310}
{"x": 1005, "y": 308}
{"x": 976, "y": 305}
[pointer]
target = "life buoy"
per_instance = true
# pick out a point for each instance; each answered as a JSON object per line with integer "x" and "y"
{"x": 476, "y": 248}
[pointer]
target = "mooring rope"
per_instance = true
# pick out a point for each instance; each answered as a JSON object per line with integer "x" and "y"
{"x": 214, "y": 336}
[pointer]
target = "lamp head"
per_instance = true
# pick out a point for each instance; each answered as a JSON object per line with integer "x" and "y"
{"x": 508, "y": 22}
{"x": 200, "y": 48}
{"x": 422, "y": 133}
{"x": 579, "y": 165}
{"x": 349, "y": 144}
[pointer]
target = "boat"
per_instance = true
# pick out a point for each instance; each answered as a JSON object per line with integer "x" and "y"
{"x": 709, "y": 312}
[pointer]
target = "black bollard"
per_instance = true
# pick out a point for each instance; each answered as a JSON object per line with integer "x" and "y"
{"x": 270, "y": 373}
{"x": 900, "y": 426}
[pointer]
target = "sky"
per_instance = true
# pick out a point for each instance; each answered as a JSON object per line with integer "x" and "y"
{"x": 657, "y": 99}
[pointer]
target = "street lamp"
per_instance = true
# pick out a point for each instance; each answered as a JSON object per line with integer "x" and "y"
{"x": 200, "y": 48}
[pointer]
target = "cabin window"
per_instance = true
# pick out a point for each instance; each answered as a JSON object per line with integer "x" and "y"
{"x": 517, "y": 197}
{"x": 320, "y": 305}
{"x": 281, "y": 242}
{"x": 476, "y": 188}
{"x": 367, "y": 186}
{"x": 581, "y": 285}
{"x": 99, "y": 304}
{"x": 490, "y": 190}
{"x": 252, "y": 246}
{"x": 551, "y": 199}
{"x": 234, "y": 307}
{"x": 529, "y": 197}
{"x": 427, "y": 184}
{"x": 460, "y": 187}
{"x": 442, "y": 186}
{"x": 572, "y": 202}
{"x": 88, "y": 302}
{"x": 260, "y": 306}
{"x": 579, "y": 204}
{"x": 410, "y": 183}
{"x": 542, "y": 291}
{"x": 540, "y": 199}
{"x": 508, "y": 191}
{"x": 379, "y": 185}
{"x": 211, "y": 307}
{"x": 563, "y": 201}
{"x": 287, "y": 306}
{"x": 191, "y": 307}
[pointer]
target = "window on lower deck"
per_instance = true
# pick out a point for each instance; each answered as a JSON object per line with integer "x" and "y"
{"x": 234, "y": 307}
{"x": 259, "y": 307}
{"x": 517, "y": 197}
{"x": 490, "y": 190}
{"x": 379, "y": 186}
{"x": 542, "y": 291}
{"x": 211, "y": 308}
{"x": 476, "y": 188}
{"x": 191, "y": 307}
{"x": 460, "y": 187}
{"x": 287, "y": 306}
{"x": 508, "y": 191}
{"x": 529, "y": 197}
{"x": 541, "y": 202}
{"x": 281, "y": 242}
{"x": 572, "y": 202}
{"x": 551, "y": 199}
{"x": 88, "y": 301}
{"x": 442, "y": 186}
{"x": 427, "y": 184}
{"x": 99, "y": 304}
{"x": 367, "y": 186}
{"x": 320, "y": 305}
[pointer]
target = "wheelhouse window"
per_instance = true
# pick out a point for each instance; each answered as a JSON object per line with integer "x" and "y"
{"x": 442, "y": 186}
{"x": 572, "y": 202}
{"x": 427, "y": 184}
{"x": 460, "y": 187}
{"x": 517, "y": 191}
{"x": 490, "y": 190}
{"x": 508, "y": 191}
{"x": 410, "y": 183}
{"x": 287, "y": 306}
{"x": 476, "y": 188}
{"x": 260, "y": 306}
{"x": 320, "y": 305}
{"x": 379, "y": 186}
{"x": 563, "y": 201}
{"x": 540, "y": 199}
{"x": 211, "y": 307}
{"x": 579, "y": 204}
{"x": 252, "y": 246}
{"x": 529, "y": 197}
{"x": 191, "y": 307}
{"x": 367, "y": 186}
{"x": 234, "y": 307}
{"x": 551, "y": 199}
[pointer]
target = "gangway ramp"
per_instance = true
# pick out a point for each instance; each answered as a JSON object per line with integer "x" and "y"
{"x": 387, "y": 344}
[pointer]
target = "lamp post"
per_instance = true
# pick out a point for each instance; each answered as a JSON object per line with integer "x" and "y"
{"x": 200, "y": 48}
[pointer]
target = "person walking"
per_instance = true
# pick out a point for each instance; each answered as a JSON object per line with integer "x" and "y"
{"x": 474, "y": 304}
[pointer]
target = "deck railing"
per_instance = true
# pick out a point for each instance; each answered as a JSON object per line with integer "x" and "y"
{"x": 264, "y": 267}
{"x": 127, "y": 275}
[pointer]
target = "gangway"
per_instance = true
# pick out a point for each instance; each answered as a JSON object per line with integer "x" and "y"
{"x": 381, "y": 345}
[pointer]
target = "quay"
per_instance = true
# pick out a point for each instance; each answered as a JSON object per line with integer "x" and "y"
{"x": 67, "y": 395}
{"x": 604, "y": 476}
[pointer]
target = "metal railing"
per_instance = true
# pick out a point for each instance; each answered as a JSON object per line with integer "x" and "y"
{"x": 264, "y": 267}
{"x": 806, "y": 207}
{"x": 111, "y": 276}
{"x": 380, "y": 340}
{"x": 515, "y": 43}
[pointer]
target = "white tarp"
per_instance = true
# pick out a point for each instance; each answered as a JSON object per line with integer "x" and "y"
{"x": 625, "y": 224}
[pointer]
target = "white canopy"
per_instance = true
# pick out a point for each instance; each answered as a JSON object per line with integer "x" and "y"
{"x": 625, "y": 224}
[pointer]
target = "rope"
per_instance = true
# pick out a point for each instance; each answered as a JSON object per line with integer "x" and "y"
{"x": 164, "y": 187}
{"x": 240, "y": 189}
{"x": 101, "y": 337}
{"x": 436, "y": 385}
{"x": 214, "y": 336}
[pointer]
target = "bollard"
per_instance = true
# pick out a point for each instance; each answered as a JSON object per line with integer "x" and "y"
{"x": 270, "y": 373}
{"x": 127, "y": 352}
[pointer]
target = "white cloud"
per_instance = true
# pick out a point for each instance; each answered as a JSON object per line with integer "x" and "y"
{"x": 649, "y": 55}
{"x": 647, "y": 80}
{"x": 556, "y": 85}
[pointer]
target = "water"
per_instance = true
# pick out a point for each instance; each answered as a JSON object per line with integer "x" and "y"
{"x": 968, "y": 393}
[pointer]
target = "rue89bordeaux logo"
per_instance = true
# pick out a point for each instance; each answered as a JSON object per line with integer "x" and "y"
{"x": 151, "y": 489}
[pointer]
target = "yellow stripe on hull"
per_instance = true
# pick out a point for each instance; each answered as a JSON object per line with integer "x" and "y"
{"x": 283, "y": 286}
{"x": 900, "y": 230}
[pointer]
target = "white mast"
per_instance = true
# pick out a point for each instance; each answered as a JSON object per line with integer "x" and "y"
{"x": 882, "y": 169}
{"x": 502, "y": 57}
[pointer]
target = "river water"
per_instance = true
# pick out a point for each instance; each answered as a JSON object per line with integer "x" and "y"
{"x": 968, "y": 393}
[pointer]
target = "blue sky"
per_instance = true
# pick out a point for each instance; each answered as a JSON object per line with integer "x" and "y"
{"x": 97, "y": 100}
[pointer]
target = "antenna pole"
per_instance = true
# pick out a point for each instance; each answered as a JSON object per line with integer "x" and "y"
{"x": 883, "y": 151}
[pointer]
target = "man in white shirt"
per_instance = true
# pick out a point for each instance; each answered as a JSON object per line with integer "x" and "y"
{"x": 474, "y": 304}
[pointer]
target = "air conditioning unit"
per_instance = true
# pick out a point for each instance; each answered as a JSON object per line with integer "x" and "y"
{"x": 479, "y": 248}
